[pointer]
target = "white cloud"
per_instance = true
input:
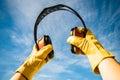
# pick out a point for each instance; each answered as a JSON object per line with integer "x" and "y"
{"x": 83, "y": 62}
{"x": 57, "y": 68}
{"x": 44, "y": 76}
{"x": 7, "y": 75}
{"x": 21, "y": 39}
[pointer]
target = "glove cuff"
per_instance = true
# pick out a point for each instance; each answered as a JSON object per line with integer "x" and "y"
{"x": 24, "y": 70}
{"x": 95, "y": 60}
{"x": 28, "y": 69}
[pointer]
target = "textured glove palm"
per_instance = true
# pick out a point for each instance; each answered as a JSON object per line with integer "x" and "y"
{"x": 91, "y": 47}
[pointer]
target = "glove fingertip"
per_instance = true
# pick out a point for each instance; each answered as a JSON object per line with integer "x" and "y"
{"x": 69, "y": 40}
{"x": 44, "y": 51}
{"x": 49, "y": 46}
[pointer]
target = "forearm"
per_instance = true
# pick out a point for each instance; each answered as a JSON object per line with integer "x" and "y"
{"x": 18, "y": 76}
{"x": 109, "y": 69}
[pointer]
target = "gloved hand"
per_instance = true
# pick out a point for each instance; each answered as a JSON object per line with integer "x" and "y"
{"x": 35, "y": 61}
{"x": 91, "y": 47}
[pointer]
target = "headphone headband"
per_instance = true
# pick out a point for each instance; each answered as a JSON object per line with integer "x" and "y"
{"x": 51, "y": 9}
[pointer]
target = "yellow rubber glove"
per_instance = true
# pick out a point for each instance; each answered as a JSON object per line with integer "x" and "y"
{"x": 91, "y": 47}
{"x": 35, "y": 61}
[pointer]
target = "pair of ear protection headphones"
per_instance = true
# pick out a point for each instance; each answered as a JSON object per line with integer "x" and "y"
{"x": 47, "y": 11}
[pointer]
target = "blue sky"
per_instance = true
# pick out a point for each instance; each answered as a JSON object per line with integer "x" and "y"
{"x": 17, "y": 18}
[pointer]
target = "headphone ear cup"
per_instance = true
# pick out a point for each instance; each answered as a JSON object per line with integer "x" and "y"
{"x": 46, "y": 41}
{"x": 75, "y": 32}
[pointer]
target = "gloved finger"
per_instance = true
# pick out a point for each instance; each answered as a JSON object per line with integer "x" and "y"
{"x": 34, "y": 51}
{"x": 77, "y": 41}
{"x": 43, "y": 52}
{"x": 35, "y": 46}
{"x": 80, "y": 29}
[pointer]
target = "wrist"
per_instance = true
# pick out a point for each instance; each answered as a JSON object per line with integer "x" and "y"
{"x": 25, "y": 71}
{"x": 23, "y": 77}
{"x": 96, "y": 56}
{"x": 30, "y": 68}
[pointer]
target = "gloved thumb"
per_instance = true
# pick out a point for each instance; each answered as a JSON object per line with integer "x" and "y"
{"x": 43, "y": 52}
{"x": 76, "y": 41}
